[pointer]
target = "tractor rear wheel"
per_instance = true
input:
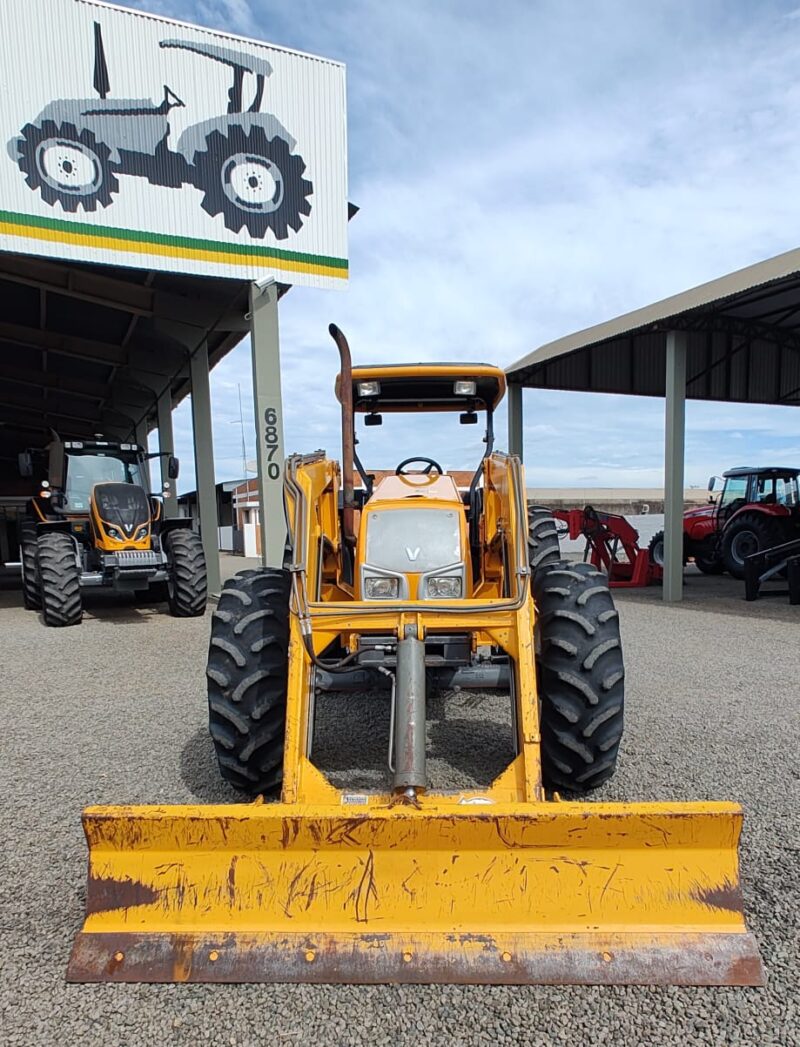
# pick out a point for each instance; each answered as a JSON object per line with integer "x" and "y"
{"x": 580, "y": 676}
{"x": 187, "y": 588}
{"x": 747, "y": 534}
{"x": 543, "y": 547}
{"x": 248, "y": 662}
{"x": 252, "y": 181}
{"x": 31, "y": 596}
{"x": 59, "y": 579}
{"x": 67, "y": 166}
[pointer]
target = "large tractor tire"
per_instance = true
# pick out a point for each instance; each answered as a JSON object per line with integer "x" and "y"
{"x": 252, "y": 181}
{"x": 580, "y": 676}
{"x": 31, "y": 597}
{"x": 709, "y": 564}
{"x": 543, "y": 547}
{"x": 67, "y": 166}
{"x": 655, "y": 549}
{"x": 187, "y": 588}
{"x": 248, "y": 661}
{"x": 59, "y": 579}
{"x": 748, "y": 534}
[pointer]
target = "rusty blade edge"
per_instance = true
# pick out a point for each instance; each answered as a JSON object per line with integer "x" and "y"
{"x": 519, "y": 959}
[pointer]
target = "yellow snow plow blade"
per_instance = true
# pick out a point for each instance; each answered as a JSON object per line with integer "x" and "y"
{"x": 451, "y": 892}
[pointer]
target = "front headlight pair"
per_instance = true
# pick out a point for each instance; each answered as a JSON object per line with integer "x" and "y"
{"x": 445, "y": 587}
{"x": 112, "y": 532}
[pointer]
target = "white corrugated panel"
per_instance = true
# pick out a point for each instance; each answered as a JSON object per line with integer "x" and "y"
{"x": 135, "y": 140}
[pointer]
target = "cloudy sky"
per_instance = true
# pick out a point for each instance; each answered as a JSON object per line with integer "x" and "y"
{"x": 525, "y": 169}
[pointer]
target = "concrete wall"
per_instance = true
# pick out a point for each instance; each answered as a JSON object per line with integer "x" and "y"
{"x": 624, "y": 500}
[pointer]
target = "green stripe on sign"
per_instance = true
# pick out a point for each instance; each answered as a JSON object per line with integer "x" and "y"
{"x": 165, "y": 240}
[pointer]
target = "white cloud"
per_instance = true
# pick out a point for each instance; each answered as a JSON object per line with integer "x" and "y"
{"x": 524, "y": 171}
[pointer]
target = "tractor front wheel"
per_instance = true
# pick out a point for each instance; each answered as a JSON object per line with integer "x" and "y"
{"x": 747, "y": 534}
{"x": 252, "y": 181}
{"x": 655, "y": 549}
{"x": 709, "y": 564}
{"x": 543, "y": 547}
{"x": 580, "y": 676}
{"x": 59, "y": 579}
{"x": 248, "y": 664}
{"x": 187, "y": 587}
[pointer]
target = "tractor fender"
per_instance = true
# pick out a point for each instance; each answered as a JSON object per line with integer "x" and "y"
{"x": 132, "y": 124}
{"x": 764, "y": 510}
{"x": 193, "y": 138}
{"x": 175, "y": 523}
{"x": 48, "y": 526}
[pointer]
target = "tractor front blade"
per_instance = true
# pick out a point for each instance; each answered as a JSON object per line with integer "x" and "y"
{"x": 536, "y": 893}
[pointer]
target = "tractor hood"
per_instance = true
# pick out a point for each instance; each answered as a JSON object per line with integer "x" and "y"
{"x": 700, "y": 512}
{"x": 417, "y": 486}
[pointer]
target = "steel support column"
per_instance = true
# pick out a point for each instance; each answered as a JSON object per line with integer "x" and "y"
{"x": 516, "y": 443}
{"x": 140, "y": 433}
{"x": 166, "y": 442}
{"x": 675, "y": 433}
{"x": 265, "y": 346}
{"x": 204, "y": 464}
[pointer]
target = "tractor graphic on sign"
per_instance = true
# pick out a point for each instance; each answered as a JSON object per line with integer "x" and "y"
{"x": 243, "y": 161}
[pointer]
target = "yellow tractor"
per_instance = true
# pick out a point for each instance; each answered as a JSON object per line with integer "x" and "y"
{"x": 93, "y": 523}
{"x": 415, "y": 582}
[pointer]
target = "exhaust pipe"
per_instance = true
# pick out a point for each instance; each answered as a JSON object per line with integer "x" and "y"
{"x": 348, "y": 432}
{"x": 409, "y": 717}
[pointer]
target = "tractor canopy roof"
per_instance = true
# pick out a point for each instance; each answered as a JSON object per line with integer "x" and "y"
{"x": 235, "y": 59}
{"x": 761, "y": 470}
{"x": 426, "y": 387}
{"x": 95, "y": 446}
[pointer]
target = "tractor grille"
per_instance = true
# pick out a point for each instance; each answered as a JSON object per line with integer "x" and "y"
{"x": 137, "y": 558}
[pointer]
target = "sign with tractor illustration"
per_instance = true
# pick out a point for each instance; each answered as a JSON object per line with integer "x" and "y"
{"x": 138, "y": 141}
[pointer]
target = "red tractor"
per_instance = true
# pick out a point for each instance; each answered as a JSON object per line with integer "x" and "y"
{"x": 758, "y": 509}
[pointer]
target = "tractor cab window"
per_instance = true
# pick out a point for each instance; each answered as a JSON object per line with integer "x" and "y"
{"x": 86, "y": 470}
{"x": 735, "y": 491}
{"x": 786, "y": 492}
{"x": 765, "y": 490}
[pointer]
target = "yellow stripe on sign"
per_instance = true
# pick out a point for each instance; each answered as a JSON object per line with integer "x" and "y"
{"x": 198, "y": 254}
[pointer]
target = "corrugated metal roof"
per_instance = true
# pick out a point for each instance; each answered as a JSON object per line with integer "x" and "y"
{"x": 743, "y": 342}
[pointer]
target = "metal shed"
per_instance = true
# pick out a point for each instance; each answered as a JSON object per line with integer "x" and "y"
{"x": 88, "y": 349}
{"x": 734, "y": 339}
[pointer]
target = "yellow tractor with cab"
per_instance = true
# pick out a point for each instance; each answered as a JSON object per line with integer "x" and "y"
{"x": 93, "y": 523}
{"x": 410, "y": 583}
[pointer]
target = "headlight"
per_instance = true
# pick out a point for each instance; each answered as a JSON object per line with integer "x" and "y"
{"x": 381, "y": 588}
{"x": 368, "y": 388}
{"x": 114, "y": 533}
{"x": 141, "y": 533}
{"x": 445, "y": 588}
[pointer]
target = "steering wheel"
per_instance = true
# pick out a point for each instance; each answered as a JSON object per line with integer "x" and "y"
{"x": 432, "y": 464}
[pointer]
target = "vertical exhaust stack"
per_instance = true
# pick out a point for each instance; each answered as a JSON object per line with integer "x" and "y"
{"x": 348, "y": 432}
{"x": 101, "y": 82}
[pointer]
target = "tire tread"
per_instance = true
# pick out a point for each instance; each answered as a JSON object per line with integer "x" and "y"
{"x": 580, "y": 675}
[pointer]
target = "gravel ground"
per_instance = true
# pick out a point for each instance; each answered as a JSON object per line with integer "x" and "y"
{"x": 86, "y": 716}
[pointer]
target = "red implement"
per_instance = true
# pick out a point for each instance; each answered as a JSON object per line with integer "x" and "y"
{"x": 612, "y": 544}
